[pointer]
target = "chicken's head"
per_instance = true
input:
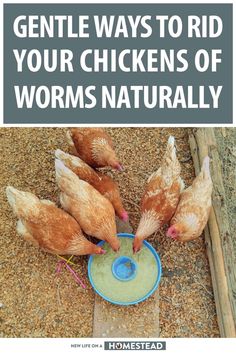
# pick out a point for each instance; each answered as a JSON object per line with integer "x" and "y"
{"x": 110, "y": 159}
{"x": 99, "y": 250}
{"x": 173, "y": 232}
{"x": 185, "y": 228}
{"x": 124, "y": 216}
{"x": 94, "y": 249}
{"x": 117, "y": 166}
{"x": 114, "y": 243}
{"x": 120, "y": 211}
{"x": 137, "y": 244}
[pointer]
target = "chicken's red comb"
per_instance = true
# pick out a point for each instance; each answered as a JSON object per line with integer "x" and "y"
{"x": 119, "y": 167}
{"x": 124, "y": 216}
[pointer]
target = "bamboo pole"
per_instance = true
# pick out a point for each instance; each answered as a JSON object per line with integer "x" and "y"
{"x": 203, "y": 143}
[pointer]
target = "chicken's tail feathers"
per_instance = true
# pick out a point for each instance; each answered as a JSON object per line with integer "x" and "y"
{"x": 65, "y": 177}
{"x": 61, "y": 169}
{"x": 10, "y": 189}
{"x": 70, "y": 142}
{"x": 206, "y": 167}
{"x": 182, "y": 184}
{"x": 171, "y": 150}
{"x": 10, "y": 192}
{"x": 171, "y": 141}
{"x": 21, "y": 202}
{"x": 13, "y": 195}
{"x": 69, "y": 139}
{"x": 59, "y": 154}
{"x": 70, "y": 161}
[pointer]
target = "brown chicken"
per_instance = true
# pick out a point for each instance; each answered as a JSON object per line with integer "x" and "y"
{"x": 46, "y": 226}
{"x": 103, "y": 183}
{"x": 94, "y": 146}
{"x": 194, "y": 207}
{"x": 94, "y": 212}
{"x": 161, "y": 196}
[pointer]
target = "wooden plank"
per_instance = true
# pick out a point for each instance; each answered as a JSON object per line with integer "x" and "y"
{"x": 203, "y": 143}
{"x": 137, "y": 321}
{"x": 112, "y": 321}
{"x": 220, "y": 227}
{"x": 208, "y": 242}
{"x": 222, "y": 219}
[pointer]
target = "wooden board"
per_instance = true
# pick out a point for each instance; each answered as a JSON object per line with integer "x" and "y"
{"x": 136, "y": 321}
{"x": 203, "y": 143}
{"x": 112, "y": 321}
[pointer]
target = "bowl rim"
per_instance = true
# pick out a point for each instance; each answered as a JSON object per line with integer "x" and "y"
{"x": 156, "y": 255}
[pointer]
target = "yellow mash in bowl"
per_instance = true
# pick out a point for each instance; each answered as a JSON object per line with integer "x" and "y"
{"x": 124, "y": 291}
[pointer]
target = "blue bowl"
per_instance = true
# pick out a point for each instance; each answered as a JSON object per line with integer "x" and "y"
{"x": 124, "y": 268}
{"x": 123, "y": 274}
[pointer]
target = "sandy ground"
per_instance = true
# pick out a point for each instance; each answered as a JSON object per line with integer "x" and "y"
{"x": 36, "y": 303}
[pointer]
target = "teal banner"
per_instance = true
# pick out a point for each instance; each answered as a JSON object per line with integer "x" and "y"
{"x": 118, "y": 63}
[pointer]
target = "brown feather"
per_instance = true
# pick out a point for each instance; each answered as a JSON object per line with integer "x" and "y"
{"x": 102, "y": 183}
{"x": 194, "y": 207}
{"x": 94, "y": 212}
{"x": 94, "y": 146}
{"x": 47, "y": 226}
{"x": 161, "y": 196}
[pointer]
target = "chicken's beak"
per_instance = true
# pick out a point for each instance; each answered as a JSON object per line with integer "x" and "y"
{"x": 119, "y": 167}
{"x": 137, "y": 244}
{"x": 115, "y": 244}
{"x": 136, "y": 249}
{"x": 102, "y": 251}
{"x": 171, "y": 232}
{"x": 124, "y": 216}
